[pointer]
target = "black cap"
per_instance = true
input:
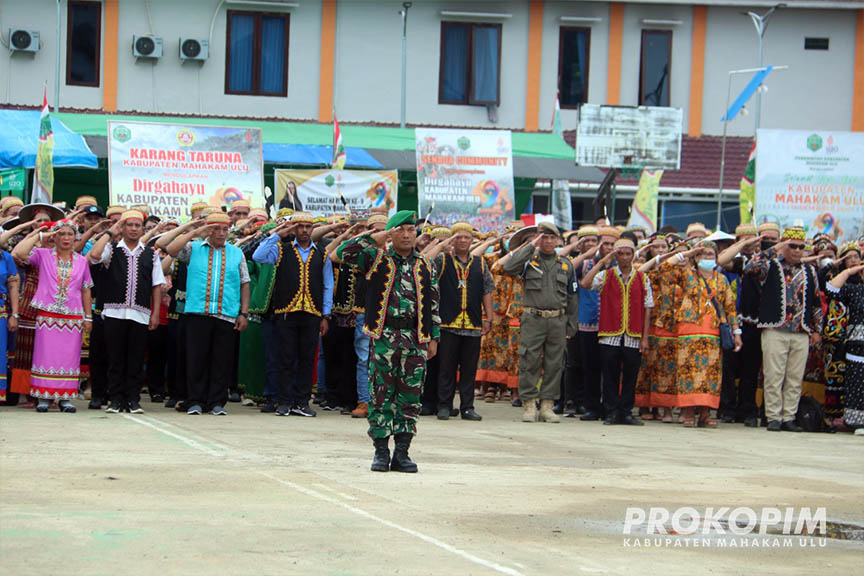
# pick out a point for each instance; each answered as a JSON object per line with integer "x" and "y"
{"x": 94, "y": 210}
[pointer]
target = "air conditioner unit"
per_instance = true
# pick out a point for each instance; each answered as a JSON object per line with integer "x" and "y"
{"x": 194, "y": 49}
{"x": 23, "y": 40}
{"x": 147, "y": 46}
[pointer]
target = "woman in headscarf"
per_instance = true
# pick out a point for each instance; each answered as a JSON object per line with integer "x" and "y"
{"x": 63, "y": 305}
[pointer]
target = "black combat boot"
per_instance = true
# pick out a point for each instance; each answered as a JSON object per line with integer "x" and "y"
{"x": 401, "y": 462}
{"x": 381, "y": 461}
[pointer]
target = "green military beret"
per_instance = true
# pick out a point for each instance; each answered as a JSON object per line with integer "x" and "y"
{"x": 400, "y": 218}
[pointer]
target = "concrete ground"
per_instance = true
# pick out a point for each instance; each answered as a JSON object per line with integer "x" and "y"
{"x": 165, "y": 493}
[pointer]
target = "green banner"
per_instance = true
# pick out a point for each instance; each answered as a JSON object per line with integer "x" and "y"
{"x": 13, "y": 180}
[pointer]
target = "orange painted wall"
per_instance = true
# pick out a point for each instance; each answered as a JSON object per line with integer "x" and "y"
{"x": 328, "y": 51}
{"x": 616, "y": 40}
{"x": 858, "y": 82}
{"x": 535, "y": 56}
{"x": 697, "y": 70}
{"x": 109, "y": 56}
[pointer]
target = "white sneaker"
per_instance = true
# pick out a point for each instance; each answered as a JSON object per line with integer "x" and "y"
{"x": 195, "y": 410}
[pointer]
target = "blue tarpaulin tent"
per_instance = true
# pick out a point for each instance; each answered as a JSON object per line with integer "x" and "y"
{"x": 310, "y": 155}
{"x": 19, "y": 136}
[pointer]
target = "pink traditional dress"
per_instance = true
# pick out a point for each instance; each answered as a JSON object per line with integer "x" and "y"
{"x": 59, "y": 324}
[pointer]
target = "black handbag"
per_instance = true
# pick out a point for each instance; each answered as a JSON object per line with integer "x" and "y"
{"x": 727, "y": 339}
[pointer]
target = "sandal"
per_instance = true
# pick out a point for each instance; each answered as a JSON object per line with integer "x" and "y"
{"x": 688, "y": 422}
{"x": 491, "y": 395}
{"x": 707, "y": 423}
{"x": 648, "y": 415}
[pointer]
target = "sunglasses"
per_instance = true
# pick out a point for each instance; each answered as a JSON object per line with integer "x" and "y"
{"x": 797, "y": 246}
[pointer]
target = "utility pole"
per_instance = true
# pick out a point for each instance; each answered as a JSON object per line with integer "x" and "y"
{"x": 404, "y": 13}
{"x": 761, "y": 24}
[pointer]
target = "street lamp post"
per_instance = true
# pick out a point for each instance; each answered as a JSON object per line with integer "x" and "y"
{"x": 725, "y": 126}
{"x": 404, "y": 13}
{"x": 761, "y": 24}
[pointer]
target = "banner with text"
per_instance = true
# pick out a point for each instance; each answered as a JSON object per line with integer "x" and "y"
{"x": 816, "y": 178}
{"x": 170, "y": 166}
{"x": 467, "y": 175}
{"x": 317, "y": 191}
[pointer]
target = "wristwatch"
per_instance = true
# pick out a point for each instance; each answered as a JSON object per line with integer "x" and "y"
{"x": 327, "y": 317}
{"x": 16, "y": 316}
{"x": 244, "y": 314}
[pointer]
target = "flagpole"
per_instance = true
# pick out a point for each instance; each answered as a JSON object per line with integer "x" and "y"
{"x": 57, "y": 65}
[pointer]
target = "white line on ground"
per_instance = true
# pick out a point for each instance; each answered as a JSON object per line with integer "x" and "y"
{"x": 336, "y": 492}
{"x": 325, "y": 498}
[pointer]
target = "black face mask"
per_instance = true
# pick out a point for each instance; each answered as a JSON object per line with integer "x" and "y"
{"x": 766, "y": 244}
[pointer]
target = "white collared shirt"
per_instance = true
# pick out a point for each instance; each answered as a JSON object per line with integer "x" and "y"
{"x": 158, "y": 279}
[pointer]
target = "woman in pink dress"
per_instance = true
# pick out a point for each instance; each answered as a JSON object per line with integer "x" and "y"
{"x": 62, "y": 300}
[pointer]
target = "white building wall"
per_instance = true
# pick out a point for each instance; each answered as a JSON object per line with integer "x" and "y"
{"x": 23, "y": 75}
{"x": 682, "y": 44}
{"x": 368, "y": 67}
{"x": 598, "y": 56}
{"x": 814, "y": 93}
{"x": 171, "y": 85}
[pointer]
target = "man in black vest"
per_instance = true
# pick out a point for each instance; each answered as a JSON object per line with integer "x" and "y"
{"x": 131, "y": 295}
{"x": 301, "y": 303}
{"x": 402, "y": 320}
{"x": 465, "y": 286}
{"x": 790, "y": 317}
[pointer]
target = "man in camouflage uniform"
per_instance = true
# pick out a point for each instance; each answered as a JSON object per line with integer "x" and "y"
{"x": 403, "y": 321}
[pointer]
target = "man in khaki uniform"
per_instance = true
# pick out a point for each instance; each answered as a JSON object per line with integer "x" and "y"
{"x": 549, "y": 315}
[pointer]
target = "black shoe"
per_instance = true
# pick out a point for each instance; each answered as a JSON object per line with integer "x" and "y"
{"x": 345, "y": 411}
{"x": 135, "y": 408}
{"x": 774, "y": 426}
{"x": 234, "y": 397}
{"x": 304, "y": 411}
{"x": 218, "y": 411}
{"x": 328, "y": 406}
{"x": 157, "y": 398}
{"x": 114, "y": 408}
{"x": 470, "y": 414}
{"x": 195, "y": 410}
{"x": 569, "y": 408}
{"x": 319, "y": 398}
{"x": 557, "y": 408}
{"x": 283, "y": 410}
{"x": 182, "y": 406}
{"x": 268, "y": 408}
{"x": 427, "y": 410}
{"x": 443, "y": 414}
{"x": 517, "y": 403}
{"x": 454, "y": 412}
{"x": 728, "y": 419}
{"x": 381, "y": 460}
{"x": 581, "y": 410}
{"x": 401, "y": 462}
{"x": 589, "y": 416}
{"x": 631, "y": 421}
{"x": 750, "y": 422}
{"x": 94, "y": 405}
{"x": 170, "y": 402}
{"x": 791, "y": 426}
{"x": 611, "y": 420}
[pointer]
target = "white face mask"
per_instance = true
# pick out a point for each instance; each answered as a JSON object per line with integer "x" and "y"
{"x": 707, "y": 265}
{"x": 825, "y": 262}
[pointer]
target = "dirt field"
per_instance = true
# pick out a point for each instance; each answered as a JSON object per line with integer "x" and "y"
{"x": 165, "y": 493}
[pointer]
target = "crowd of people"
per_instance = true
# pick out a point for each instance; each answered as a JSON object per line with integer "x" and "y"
{"x": 386, "y": 318}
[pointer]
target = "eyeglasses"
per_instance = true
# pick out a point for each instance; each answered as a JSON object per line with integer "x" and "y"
{"x": 797, "y": 246}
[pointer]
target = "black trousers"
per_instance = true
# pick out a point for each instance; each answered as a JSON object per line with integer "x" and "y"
{"x": 618, "y": 360}
{"x": 458, "y": 353}
{"x": 591, "y": 371}
{"x": 297, "y": 338}
{"x": 341, "y": 373}
{"x": 749, "y": 366}
{"x": 573, "y": 389}
{"x": 429, "y": 397}
{"x": 209, "y": 359}
{"x": 127, "y": 343}
{"x": 98, "y": 360}
{"x": 157, "y": 360}
{"x": 177, "y": 385}
{"x": 728, "y": 390}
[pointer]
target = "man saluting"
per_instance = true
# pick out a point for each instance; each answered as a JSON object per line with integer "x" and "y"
{"x": 402, "y": 320}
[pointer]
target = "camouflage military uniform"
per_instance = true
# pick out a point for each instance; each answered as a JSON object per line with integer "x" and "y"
{"x": 397, "y": 360}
